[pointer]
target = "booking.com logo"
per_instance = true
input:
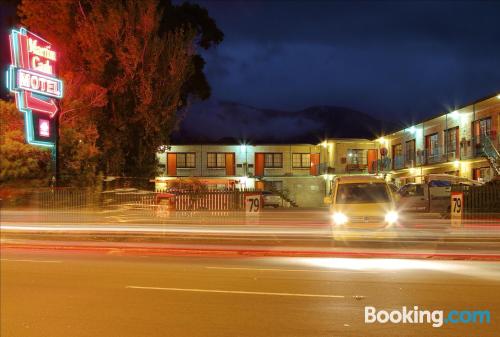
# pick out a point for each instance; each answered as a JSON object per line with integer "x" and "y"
{"x": 416, "y": 316}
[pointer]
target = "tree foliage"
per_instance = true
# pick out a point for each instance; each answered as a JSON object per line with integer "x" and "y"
{"x": 129, "y": 67}
{"x": 19, "y": 160}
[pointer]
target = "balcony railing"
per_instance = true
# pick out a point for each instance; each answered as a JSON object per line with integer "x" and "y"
{"x": 398, "y": 162}
{"x": 356, "y": 168}
{"x": 435, "y": 155}
{"x": 382, "y": 165}
{"x": 478, "y": 143}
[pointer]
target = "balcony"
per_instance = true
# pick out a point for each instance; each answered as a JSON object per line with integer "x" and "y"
{"x": 356, "y": 168}
{"x": 435, "y": 155}
{"x": 382, "y": 165}
{"x": 478, "y": 143}
{"x": 398, "y": 162}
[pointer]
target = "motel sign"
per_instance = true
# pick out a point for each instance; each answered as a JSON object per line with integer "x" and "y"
{"x": 32, "y": 78}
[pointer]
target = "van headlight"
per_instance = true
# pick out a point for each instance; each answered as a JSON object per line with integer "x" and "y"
{"x": 391, "y": 217}
{"x": 339, "y": 218}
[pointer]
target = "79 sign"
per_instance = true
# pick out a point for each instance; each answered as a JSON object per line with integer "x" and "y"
{"x": 253, "y": 204}
{"x": 456, "y": 204}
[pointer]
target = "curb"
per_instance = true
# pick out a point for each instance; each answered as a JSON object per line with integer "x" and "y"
{"x": 227, "y": 252}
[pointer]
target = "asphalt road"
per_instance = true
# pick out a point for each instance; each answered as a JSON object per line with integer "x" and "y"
{"x": 71, "y": 294}
{"x": 294, "y": 231}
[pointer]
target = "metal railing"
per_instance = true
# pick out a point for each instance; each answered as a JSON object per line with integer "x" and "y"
{"x": 398, "y": 162}
{"x": 480, "y": 201}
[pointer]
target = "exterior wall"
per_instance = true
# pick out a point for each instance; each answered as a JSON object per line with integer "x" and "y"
{"x": 468, "y": 157}
{"x": 244, "y": 159}
{"x": 306, "y": 191}
{"x": 338, "y": 154}
{"x": 308, "y": 185}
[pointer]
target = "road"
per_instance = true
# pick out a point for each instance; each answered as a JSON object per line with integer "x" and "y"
{"x": 61, "y": 294}
{"x": 282, "y": 230}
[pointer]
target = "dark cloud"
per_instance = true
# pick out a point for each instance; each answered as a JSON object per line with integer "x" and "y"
{"x": 394, "y": 59}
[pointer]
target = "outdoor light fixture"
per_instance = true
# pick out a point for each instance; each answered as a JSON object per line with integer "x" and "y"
{"x": 498, "y": 96}
{"x": 455, "y": 114}
{"x": 456, "y": 163}
{"x": 243, "y": 148}
{"x": 412, "y": 129}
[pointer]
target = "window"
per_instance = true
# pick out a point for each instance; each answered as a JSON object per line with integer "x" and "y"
{"x": 485, "y": 127}
{"x": 432, "y": 147}
{"x": 481, "y": 174}
{"x": 273, "y": 160}
{"x": 362, "y": 193}
{"x": 301, "y": 160}
{"x": 410, "y": 153}
{"x": 216, "y": 160}
{"x": 412, "y": 190}
{"x": 186, "y": 160}
{"x": 397, "y": 153}
{"x": 356, "y": 157}
{"x": 452, "y": 142}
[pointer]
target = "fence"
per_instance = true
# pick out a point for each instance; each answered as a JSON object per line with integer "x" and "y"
{"x": 480, "y": 201}
{"x": 62, "y": 198}
{"x": 181, "y": 200}
{"x": 211, "y": 200}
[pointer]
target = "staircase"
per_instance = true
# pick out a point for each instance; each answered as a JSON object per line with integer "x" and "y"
{"x": 280, "y": 193}
{"x": 491, "y": 154}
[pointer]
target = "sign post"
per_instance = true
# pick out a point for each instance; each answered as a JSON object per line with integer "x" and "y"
{"x": 253, "y": 204}
{"x": 456, "y": 208}
{"x": 37, "y": 91}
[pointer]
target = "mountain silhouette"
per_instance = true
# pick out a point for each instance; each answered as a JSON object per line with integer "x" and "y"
{"x": 226, "y": 122}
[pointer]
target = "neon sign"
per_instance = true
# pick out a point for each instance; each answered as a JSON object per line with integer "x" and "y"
{"x": 32, "y": 79}
{"x": 38, "y": 83}
{"x": 44, "y": 127}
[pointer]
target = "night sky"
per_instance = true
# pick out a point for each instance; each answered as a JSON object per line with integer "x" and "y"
{"x": 388, "y": 59}
{"x": 399, "y": 61}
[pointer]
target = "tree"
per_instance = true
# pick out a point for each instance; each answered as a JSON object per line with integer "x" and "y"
{"x": 129, "y": 67}
{"x": 19, "y": 160}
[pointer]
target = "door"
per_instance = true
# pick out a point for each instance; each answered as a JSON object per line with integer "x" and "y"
{"x": 259, "y": 164}
{"x": 171, "y": 164}
{"x": 230, "y": 164}
{"x": 314, "y": 170}
{"x": 371, "y": 160}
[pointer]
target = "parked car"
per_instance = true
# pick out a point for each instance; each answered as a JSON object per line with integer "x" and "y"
{"x": 272, "y": 199}
{"x": 433, "y": 195}
{"x": 362, "y": 202}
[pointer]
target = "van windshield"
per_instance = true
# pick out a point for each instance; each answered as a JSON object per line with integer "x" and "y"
{"x": 362, "y": 193}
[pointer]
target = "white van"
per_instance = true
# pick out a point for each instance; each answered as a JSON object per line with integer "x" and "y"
{"x": 362, "y": 202}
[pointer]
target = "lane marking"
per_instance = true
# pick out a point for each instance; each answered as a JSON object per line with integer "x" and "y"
{"x": 36, "y": 261}
{"x": 235, "y": 292}
{"x": 291, "y": 270}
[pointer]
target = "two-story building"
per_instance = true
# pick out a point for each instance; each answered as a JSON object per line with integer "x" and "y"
{"x": 458, "y": 142}
{"x": 300, "y": 171}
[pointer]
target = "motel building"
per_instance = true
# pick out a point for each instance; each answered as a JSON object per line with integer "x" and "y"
{"x": 463, "y": 142}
